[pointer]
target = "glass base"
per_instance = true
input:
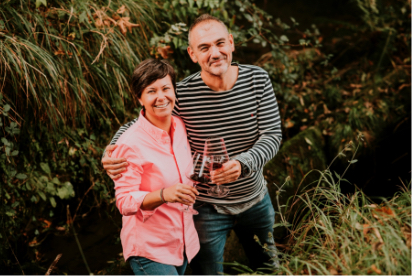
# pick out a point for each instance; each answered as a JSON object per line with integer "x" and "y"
{"x": 187, "y": 209}
{"x": 218, "y": 191}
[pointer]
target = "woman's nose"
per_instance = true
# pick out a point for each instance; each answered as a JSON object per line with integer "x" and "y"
{"x": 161, "y": 97}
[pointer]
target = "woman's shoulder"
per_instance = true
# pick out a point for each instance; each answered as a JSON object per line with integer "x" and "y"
{"x": 178, "y": 120}
{"x": 179, "y": 123}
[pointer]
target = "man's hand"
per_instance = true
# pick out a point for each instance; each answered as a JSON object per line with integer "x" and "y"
{"x": 229, "y": 172}
{"x": 113, "y": 166}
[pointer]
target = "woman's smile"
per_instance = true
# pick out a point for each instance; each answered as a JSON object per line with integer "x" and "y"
{"x": 162, "y": 106}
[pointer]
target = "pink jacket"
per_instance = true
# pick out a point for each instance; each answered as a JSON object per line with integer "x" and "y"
{"x": 163, "y": 234}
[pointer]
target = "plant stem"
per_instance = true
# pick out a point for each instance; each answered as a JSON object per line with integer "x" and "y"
{"x": 77, "y": 241}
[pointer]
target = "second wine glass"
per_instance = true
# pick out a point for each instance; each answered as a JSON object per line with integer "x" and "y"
{"x": 216, "y": 154}
{"x": 197, "y": 174}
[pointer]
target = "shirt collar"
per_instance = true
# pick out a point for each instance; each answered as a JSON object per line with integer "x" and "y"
{"x": 156, "y": 133}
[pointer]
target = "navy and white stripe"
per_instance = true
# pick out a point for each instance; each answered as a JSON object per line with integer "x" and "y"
{"x": 247, "y": 117}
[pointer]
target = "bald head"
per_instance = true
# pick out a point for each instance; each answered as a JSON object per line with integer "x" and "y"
{"x": 204, "y": 18}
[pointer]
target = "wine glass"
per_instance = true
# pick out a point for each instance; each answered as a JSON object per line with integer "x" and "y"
{"x": 197, "y": 174}
{"x": 216, "y": 154}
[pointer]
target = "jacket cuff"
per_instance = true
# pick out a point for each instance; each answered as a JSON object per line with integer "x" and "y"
{"x": 139, "y": 197}
{"x": 246, "y": 160}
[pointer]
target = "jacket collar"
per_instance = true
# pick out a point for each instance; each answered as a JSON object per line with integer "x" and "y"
{"x": 156, "y": 133}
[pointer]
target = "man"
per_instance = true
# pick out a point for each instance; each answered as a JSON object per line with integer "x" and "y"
{"x": 235, "y": 102}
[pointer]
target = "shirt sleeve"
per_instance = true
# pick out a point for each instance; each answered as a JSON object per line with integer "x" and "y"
{"x": 270, "y": 133}
{"x": 119, "y": 133}
{"x": 129, "y": 197}
{"x": 121, "y": 130}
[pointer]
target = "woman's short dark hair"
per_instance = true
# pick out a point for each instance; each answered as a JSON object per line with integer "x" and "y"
{"x": 149, "y": 71}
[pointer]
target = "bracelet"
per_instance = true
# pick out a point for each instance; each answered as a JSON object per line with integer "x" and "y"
{"x": 161, "y": 196}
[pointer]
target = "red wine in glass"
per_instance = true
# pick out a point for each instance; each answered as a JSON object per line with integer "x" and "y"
{"x": 216, "y": 154}
{"x": 196, "y": 173}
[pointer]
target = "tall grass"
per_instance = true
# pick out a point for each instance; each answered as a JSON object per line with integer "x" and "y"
{"x": 71, "y": 56}
{"x": 347, "y": 234}
{"x": 331, "y": 233}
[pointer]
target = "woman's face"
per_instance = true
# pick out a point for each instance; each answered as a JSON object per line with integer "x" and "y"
{"x": 158, "y": 99}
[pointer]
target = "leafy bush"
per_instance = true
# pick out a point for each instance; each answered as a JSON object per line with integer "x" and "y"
{"x": 359, "y": 84}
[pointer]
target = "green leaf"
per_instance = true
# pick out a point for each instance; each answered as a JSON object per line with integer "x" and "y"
{"x": 41, "y": 2}
{"x": 308, "y": 141}
{"x": 83, "y": 17}
{"x": 353, "y": 161}
{"x": 281, "y": 224}
{"x": 14, "y": 152}
{"x": 337, "y": 175}
{"x": 33, "y": 199}
{"x": 92, "y": 137}
{"x": 6, "y": 108}
{"x": 45, "y": 167}
{"x": 284, "y": 38}
{"x": 42, "y": 195}
{"x": 21, "y": 176}
{"x": 53, "y": 201}
{"x": 248, "y": 17}
{"x": 166, "y": 6}
{"x": 66, "y": 191}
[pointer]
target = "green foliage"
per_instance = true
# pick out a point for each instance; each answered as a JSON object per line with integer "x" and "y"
{"x": 360, "y": 84}
{"x": 298, "y": 155}
{"x": 333, "y": 233}
{"x": 346, "y": 234}
{"x": 65, "y": 69}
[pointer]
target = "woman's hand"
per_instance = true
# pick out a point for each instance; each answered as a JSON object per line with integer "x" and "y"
{"x": 180, "y": 193}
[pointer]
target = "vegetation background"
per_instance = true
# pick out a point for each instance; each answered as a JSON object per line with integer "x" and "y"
{"x": 340, "y": 70}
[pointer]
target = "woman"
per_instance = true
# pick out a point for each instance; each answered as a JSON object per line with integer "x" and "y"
{"x": 157, "y": 237}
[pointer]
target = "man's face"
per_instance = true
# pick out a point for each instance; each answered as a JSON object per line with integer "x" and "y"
{"x": 211, "y": 46}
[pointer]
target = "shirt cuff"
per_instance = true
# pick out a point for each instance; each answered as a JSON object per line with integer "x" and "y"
{"x": 139, "y": 197}
{"x": 246, "y": 160}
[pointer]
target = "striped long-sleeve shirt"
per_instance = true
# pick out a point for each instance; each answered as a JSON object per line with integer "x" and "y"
{"x": 246, "y": 116}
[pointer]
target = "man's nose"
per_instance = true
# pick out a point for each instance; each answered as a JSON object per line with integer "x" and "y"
{"x": 215, "y": 53}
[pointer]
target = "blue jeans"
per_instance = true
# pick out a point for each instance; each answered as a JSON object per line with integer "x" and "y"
{"x": 144, "y": 266}
{"x": 213, "y": 228}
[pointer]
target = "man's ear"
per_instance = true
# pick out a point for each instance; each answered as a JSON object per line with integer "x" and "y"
{"x": 232, "y": 43}
{"x": 191, "y": 54}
